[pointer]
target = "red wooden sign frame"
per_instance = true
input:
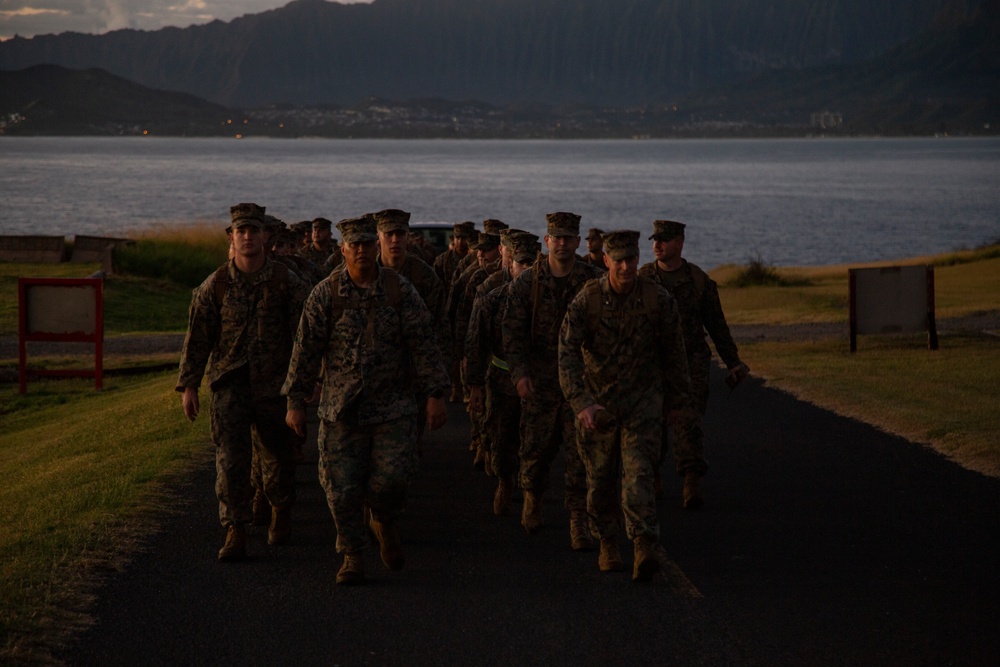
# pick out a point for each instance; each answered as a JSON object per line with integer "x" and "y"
{"x": 25, "y": 335}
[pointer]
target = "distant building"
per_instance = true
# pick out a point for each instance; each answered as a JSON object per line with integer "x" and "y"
{"x": 825, "y": 120}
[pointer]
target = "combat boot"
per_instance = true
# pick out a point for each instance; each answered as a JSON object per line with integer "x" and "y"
{"x": 692, "y": 491}
{"x": 501, "y": 499}
{"x": 390, "y": 545}
{"x": 579, "y": 532}
{"x": 261, "y": 509}
{"x": 531, "y": 514}
{"x": 235, "y": 547}
{"x": 352, "y": 571}
{"x": 647, "y": 561}
{"x": 280, "y": 530}
{"x": 610, "y": 559}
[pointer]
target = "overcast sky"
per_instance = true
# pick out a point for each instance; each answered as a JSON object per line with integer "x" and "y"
{"x": 40, "y": 17}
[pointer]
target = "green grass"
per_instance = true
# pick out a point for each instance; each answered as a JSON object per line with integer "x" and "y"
{"x": 83, "y": 472}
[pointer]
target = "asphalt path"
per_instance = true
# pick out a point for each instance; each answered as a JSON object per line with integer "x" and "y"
{"x": 823, "y": 541}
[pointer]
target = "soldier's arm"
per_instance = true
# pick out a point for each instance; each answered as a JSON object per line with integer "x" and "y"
{"x": 517, "y": 327}
{"x": 672, "y": 354}
{"x": 311, "y": 339}
{"x": 432, "y": 376}
{"x": 202, "y": 334}
{"x": 477, "y": 343}
{"x": 716, "y": 326}
{"x": 574, "y": 332}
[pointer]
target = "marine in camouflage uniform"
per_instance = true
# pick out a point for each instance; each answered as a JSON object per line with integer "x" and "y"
{"x": 535, "y": 308}
{"x": 323, "y": 251}
{"x": 621, "y": 326}
{"x": 697, "y": 298}
{"x": 393, "y": 232}
{"x": 445, "y": 265}
{"x": 361, "y": 332}
{"x": 595, "y": 248}
{"x": 241, "y": 325}
{"x": 491, "y": 391}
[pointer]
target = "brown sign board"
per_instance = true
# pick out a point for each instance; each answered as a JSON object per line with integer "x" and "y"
{"x": 892, "y": 299}
{"x": 96, "y": 248}
{"x": 41, "y": 249}
{"x": 60, "y": 310}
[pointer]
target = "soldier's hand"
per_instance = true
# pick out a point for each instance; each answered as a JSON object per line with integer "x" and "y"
{"x": 586, "y": 416}
{"x": 476, "y": 402}
{"x": 317, "y": 389}
{"x": 737, "y": 374}
{"x": 525, "y": 388}
{"x": 296, "y": 420}
{"x": 190, "y": 403}
{"x": 437, "y": 413}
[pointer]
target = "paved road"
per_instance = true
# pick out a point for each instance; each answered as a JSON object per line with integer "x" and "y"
{"x": 823, "y": 542}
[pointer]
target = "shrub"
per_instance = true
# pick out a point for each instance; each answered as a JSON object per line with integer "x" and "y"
{"x": 758, "y": 273}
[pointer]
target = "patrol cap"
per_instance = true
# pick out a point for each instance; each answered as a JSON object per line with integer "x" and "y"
{"x": 392, "y": 219}
{"x": 665, "y": 230}
{"x": 486, "y": 241}
{"x": 321, "y": 222}
{"x": 595, "y": 233}
{"x": 505, "y": 236}
{"x": 358, "y": 230}
{"x": 621, "y": 244}
{"x": 465, "y": 230}
{"x": 493, "y": 226}
{"x": 247, "y": 214}
{"x": 524, "y": 246}
{"x": 562, "y": 223}
{"x": 273, "y": 224}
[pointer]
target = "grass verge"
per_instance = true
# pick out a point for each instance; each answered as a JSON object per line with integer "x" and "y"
{"x": 85, "y": 474}
{"x": 944, "y": 398}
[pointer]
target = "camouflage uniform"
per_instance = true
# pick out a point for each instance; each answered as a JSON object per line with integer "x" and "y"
{"x": 367, "y": 451}
{"x": 245, "y": 341}
{"x": 697, "y": 298}
{"x": 530, "y": 339}
{"x": 635, "y": 340}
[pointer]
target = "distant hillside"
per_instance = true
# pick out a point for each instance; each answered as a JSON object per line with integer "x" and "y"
{"x": 945, "y": 80}
{"x": 52, "y": 100}
{"x": 559, "y": 52}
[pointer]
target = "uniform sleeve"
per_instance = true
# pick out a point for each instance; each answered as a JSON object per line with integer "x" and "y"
{"x": 574, "y": 332}
{"x": 432, "y": 377}
{"x": 477, "y": 341}
{"x": 203, "y": 330}
{"x": 311, "y": 338}
{"x": 715, "y": 324}
{"x": 673, "y": 356}
{"x": 517, "y": 326}
{"x": 435, "y": 302}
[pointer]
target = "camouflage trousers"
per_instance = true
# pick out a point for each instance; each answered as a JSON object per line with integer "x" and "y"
{"x": 547, "y": 425}
{"x": 365, "y": 466}
{"x": 689, "y": 433}
{"x": 501, "y": 426}
{"x": 237, "y": 420}
{"x": 625, "y": 454}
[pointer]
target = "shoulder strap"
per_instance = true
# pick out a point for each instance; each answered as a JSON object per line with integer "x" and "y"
{"x": 534, "y": 293}
{"x": 595, "y": 302}
{"x": 698, "y": 278}
{"x": 221, "y": 284}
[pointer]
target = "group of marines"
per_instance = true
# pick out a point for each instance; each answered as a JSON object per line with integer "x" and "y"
{"x": 549, "y": 350}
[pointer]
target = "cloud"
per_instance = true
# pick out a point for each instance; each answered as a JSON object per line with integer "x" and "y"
{"x": 39, "y": 17}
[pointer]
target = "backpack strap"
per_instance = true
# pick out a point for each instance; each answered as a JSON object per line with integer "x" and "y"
{"x": 221, "y": 284}
{"x": 535, "y": 289}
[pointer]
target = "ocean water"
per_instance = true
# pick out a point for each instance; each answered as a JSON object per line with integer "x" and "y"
{"x": 786, "y": 202}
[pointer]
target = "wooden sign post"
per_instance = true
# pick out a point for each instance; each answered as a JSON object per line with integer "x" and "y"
{"x": 892, "y": 299}
{"x": 65, "y": 310}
